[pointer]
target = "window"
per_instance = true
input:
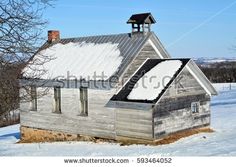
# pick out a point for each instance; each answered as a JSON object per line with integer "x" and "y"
{"x": 57, "y": 100}
{"x": 84, "y": 101}
{"x": 195, "y": 107}
{"x": 33, "y": 96}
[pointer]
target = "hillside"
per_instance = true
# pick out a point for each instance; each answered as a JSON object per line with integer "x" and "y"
{"x": 218, "y": 70}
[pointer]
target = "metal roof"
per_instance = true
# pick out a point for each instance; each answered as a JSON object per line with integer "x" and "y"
{"x": 128, "y": 45}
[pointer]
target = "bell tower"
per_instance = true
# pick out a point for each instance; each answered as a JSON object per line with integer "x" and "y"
{"x": 141, "y": 23}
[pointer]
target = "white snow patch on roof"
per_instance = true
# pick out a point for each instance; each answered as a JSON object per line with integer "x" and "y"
{"x": 154, "y": 81}
{"x": 81, "y": 60}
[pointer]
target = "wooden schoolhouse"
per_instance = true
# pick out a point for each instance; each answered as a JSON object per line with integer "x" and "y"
{"x": 120, "y": 86}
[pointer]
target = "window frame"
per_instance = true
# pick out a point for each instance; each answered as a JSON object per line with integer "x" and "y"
{"x": 195, "y": 107}
{"x": 83, "y": 101}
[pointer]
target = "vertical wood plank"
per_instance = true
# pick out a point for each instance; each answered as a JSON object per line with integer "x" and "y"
{"x": 149, "y": 27}
{"x": 132, "y": 27}
{"x": 143, "y": 27}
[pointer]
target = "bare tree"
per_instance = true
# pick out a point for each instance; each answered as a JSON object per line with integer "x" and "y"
{"x": 21, "y": 26}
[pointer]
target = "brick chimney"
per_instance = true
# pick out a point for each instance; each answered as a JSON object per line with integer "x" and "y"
{"x": 53, "y": 35}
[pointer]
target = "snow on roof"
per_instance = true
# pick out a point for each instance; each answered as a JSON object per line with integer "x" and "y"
{"x": 80, "y": 59}
{"x": 151, "y": 84}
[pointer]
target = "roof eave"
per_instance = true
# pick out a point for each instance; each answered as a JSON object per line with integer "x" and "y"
{"x": 201, "y": 78}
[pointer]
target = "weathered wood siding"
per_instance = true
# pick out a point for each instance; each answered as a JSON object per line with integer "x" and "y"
{"x": 171, "y": 114}
{"x": 134, "y": 123}
{"x": 147, "y": 52}
{"x": 100, "y": 121}
{"x": 185, "y": 84}
{"x": 105, "y": 122}
{"x": 173, "y": 111}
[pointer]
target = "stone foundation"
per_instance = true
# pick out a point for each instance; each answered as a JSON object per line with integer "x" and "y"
{"x": 32, "y": 135}
{"x": 171, "y": 138}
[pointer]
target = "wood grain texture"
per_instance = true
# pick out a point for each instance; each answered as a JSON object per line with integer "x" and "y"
{"x": 185, "y": 84}
{"x": 100, "y": 121}
{"x": 146, "y": 52}
{"x": 134, "y": 123}
{"x": 173, "y": 112}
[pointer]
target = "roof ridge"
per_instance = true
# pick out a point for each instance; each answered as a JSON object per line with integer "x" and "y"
{"x": 90, "y": 36}
{"x": 107, "y": 35}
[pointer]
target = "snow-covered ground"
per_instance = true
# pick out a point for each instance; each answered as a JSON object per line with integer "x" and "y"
{"x": 220, "y": 143}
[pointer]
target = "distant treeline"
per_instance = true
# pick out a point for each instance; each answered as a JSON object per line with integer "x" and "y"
{"x": 221, "y": 72}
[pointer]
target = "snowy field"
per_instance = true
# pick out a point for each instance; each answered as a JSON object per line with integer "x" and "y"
{"x": 220, "y": 143}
